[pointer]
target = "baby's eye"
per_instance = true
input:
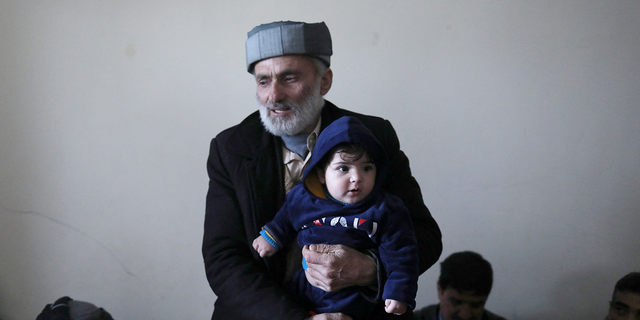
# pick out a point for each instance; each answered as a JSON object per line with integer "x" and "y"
{"x": 369, "y": 168}
{"x": 343, "y": 168}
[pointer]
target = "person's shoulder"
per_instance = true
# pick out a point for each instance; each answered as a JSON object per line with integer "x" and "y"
{"x": 249, "y": 126}
{"x": 381, "y": 128}
{"x": 297, "y": 194}
{"x": 427, "y": 313}
{"x": 332, "y": 112}
{"x": 488, "y": 315}
{"x": 247, "y": 138}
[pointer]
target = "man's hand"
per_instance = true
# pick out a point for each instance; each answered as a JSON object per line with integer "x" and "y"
{"x": 330, "y": 316}
{"x": 335, "y": 267}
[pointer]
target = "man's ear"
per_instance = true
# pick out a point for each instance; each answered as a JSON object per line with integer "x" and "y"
{"x": 326, "y": 81}
{"x": 440, "y": 291}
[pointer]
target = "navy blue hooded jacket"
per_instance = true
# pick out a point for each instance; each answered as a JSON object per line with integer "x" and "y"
{"x": 380, "y": 221}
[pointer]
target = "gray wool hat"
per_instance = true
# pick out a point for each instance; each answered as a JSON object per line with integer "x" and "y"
{"x": 288, "y": 37}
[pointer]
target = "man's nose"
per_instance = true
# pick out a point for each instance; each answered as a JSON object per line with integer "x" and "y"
{"x": 465, "y": 312}
{"x": 276, "y": 92}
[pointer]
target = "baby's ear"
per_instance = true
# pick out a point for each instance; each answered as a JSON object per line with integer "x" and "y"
{"x": 320, "y": 174}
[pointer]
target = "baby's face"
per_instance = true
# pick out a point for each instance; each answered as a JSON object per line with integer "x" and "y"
{"x": 349, "y": 180}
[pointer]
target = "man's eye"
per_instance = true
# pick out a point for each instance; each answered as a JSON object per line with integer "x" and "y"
{"x": 289, "y": 79}
{"x": 621, "y": 311}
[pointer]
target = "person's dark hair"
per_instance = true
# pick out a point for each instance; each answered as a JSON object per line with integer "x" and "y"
{"x": 628, "y": 283}
{"x": 466, "y": 271}
{"x": 348, "y": 151}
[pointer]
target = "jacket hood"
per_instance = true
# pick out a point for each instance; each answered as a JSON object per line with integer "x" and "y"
{"x": 345, "y": 130}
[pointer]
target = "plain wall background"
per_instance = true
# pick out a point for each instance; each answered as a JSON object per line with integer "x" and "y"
{"x": 521, "y": 119}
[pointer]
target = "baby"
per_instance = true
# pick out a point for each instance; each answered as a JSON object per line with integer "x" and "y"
{"x": 341, "y": 201}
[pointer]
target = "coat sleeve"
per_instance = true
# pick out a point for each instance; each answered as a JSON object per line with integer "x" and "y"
{"x": 401, "y": 183}
{"x": 238, "y": 277}
{"x": 281, "y": 227}
{"x": 398, "y": 253}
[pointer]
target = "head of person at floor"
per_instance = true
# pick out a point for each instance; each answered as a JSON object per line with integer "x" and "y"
{"x": 625, "y": 302}
{"x": 463, "y": 287}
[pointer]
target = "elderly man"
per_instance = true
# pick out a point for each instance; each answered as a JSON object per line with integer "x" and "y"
{"x": 463, "y": 288}
{"x": 625, "y": 303}
{"x": 253, "y": 165}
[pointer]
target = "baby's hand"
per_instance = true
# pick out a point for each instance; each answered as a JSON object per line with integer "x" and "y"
{"x": 395, "y": 307}
{"x": 264, "y": 248}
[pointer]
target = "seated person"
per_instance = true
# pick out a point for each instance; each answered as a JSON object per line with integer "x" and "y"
{"x": 341, "y": 201}
{"x": 463, "y": 288}
{"x": 625, "y": 303}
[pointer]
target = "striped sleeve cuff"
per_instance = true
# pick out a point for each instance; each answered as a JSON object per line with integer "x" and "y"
{"x": 270, "y": 239}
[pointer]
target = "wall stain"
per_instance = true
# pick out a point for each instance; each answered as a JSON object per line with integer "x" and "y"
{"x": 130, "y": 51}
{"x": 3, "y": 209}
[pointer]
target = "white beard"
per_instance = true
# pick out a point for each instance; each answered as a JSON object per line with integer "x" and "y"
{"x": 305, "y": 114}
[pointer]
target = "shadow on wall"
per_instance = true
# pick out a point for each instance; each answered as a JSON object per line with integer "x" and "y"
{"x": 579, "y": 289}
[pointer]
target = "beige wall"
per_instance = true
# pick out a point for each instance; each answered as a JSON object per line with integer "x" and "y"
{"x": 521, "y": 119}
